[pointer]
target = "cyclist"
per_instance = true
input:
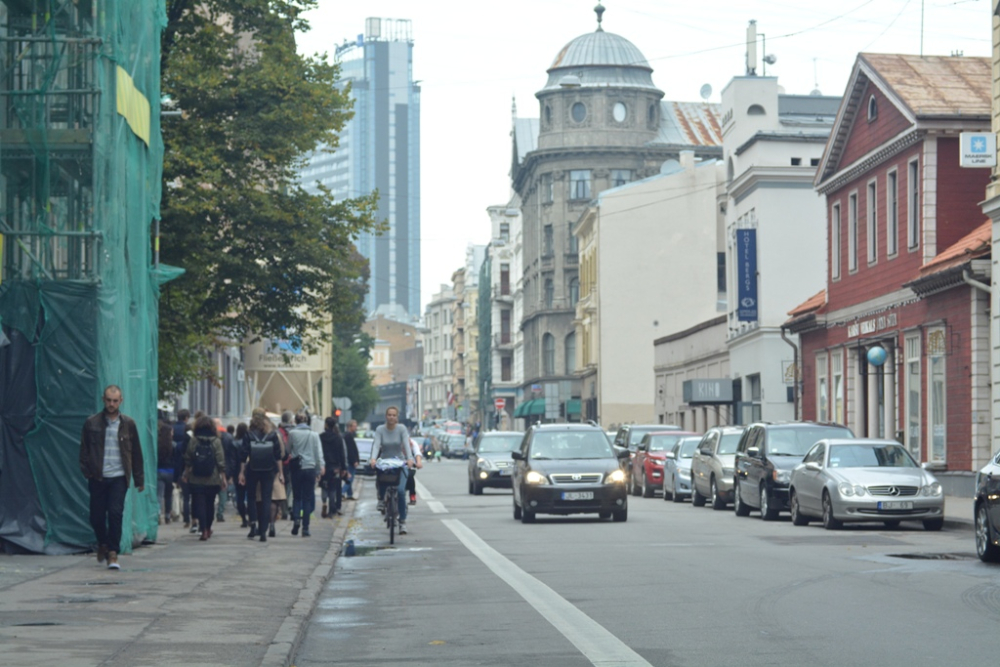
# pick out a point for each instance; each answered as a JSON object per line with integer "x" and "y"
{"x": 392, "y": 440}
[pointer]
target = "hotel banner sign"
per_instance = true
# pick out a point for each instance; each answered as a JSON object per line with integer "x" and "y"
{"x": 746, "y": 272}
{"x": 871, "y": 326}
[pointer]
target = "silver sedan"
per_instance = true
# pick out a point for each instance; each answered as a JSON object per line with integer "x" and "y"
{"x": 842, "y": 481}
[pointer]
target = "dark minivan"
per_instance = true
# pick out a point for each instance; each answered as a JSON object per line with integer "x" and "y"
{"x": 764, "y": 460}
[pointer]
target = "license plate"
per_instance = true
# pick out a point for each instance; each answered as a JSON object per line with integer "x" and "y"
{"x": 895, "y": 505}
{"x": 504, "y": 472}
{"x": 578, "y": 495}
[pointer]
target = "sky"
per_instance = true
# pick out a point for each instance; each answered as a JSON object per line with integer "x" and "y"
{"x": 473, "y": 58}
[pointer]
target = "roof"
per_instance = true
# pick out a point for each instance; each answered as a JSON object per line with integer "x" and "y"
{"x": 601, "y": 59}
{"x": 971, "y": 246}
{"x": 689, "y": 124}
{"x": 525, "y": 136}
{"x": 810, "y": 305}
{"x": 936, "y": 86}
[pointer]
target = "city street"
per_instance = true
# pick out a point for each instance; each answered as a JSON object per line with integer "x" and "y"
{"x": 675, "y": 585}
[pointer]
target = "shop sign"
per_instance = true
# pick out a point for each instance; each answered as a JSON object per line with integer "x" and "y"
{"x": 871, "y": 326}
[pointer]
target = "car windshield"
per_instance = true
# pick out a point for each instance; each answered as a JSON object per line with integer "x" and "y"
{"x": 635, "y": 435}
{"x": 661, "y": 443}
{"x": 798, "y": 440}
{"x": 728, "y": 443}
{"x": 688, "y": 447}
{"x": 870, "y": 456}
{"x": 499, "y": 443}
{"x": 570, "y": 445}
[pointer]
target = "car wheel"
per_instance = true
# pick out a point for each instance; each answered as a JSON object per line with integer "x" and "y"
{"x": 798, "y": 518}
{"x": 717, "y": 502}
{"x": 829, "y": 522}
{"x": 677, "y": 497}
{"x": 740, "y": 507}
{"x": 987, "y": 551}
{"x": 768, "y": 512}
{"x": 647, "y": 490}
{"x": 527, "y": 517}
{"x": 697, "y": 500}
{"x": 620, "y": 515}
{"x": 933, "y": 524}
{"x": 604, "y": 515}
{"x": 891, "y": 524}
{"x": 517, "y": 511}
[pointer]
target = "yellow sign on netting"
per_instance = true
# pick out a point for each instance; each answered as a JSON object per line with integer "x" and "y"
{"x": 133, "y": 105}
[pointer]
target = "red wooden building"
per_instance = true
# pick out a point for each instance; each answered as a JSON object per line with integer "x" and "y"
{"x": 908, "y": 265}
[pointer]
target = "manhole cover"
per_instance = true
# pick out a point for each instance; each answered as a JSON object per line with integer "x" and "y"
{"x": 942, "y": 556}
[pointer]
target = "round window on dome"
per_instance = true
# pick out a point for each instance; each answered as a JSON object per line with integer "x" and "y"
{"x": 579, "y": 112}
{"x": 619, "y": 112}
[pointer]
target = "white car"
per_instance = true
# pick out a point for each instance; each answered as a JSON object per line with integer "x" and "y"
{"x": 841, "y": 481}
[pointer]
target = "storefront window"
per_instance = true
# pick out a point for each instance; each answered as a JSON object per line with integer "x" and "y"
{"x": 913, "y": 396}
{"x": 822, "y": 396}
{"x": 936, "y": 395}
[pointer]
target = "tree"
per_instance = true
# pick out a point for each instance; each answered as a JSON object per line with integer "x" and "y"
{"x": 262, "y": 257}
{"x": 350, "y": 374}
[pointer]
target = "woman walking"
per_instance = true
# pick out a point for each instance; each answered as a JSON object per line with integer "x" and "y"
{"x": 259, "y": 461}
{"x": 241, "y": 489}
{"x": 335, "y": 453}
{"x": 165, "y": 470}
{"x": 204, "y": 472}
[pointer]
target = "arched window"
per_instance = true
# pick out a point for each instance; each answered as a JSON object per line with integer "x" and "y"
{"x": 574, "y": 291}
{"x": 548, "y": 354}
{"x": 548, "y": 114}
{"x": 872, "y": 108}
{"x": 652, "y": 114}
{"x": 755, "y": 110}
{"x": 550, "y": 293}
{"x": 570, "y": 351}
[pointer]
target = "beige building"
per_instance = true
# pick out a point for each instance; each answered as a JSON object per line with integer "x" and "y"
{"x": 465, "y": 352}
{"x": 391, "y": 338}
{"x": 438, "y": 400}
{"x": 649, "y": 268}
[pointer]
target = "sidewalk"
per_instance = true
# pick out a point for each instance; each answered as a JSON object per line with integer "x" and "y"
{"x": 227, "y": 601}
{"x": 958, "y": 513}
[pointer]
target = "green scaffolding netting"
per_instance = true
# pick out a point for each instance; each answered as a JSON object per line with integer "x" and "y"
{"x": 80, "y": 171}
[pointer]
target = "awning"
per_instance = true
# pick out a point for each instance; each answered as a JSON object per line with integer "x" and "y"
{"x": 530, "y": 408}
{"x": 573, "y": 406}
{"x": 519, "y": 410}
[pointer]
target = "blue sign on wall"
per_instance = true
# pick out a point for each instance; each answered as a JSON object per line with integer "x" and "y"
{"x": 746, "y": 272}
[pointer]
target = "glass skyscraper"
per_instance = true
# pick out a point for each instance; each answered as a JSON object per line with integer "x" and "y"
{"x": 380, "y": 149}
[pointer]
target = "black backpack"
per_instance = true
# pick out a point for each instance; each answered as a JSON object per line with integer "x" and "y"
{"x": 261, "y": 454}
{"x": 203, "y": 463}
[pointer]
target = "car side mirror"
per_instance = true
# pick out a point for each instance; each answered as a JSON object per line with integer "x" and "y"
{"x": 812, "y": 465}
{"x": 671, "y": 455}
{"x": 517, "y": 456}
{"x": 622, "y": 453}
{"x": 753, "y": 451}
{"x": 924, "y": 465}
{"x": 705, "y": 451}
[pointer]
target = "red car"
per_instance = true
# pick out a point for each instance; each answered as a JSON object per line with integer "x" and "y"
{"x": 647, "y": 464}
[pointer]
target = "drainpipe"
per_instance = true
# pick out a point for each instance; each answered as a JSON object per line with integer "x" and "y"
{"x": 795, "y": 366}
{"x": 969, "y": 280}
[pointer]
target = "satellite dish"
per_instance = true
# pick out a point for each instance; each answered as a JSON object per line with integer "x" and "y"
{"x": 706, "y": 91}
{"x": 770, "y": 59}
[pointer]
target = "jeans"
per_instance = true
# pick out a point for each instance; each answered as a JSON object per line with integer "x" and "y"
{"x": 411, "y": 482}
{"x": 223, "y": 499}
{"x": 332, "y": 490}
{"x": 186, "y": 496}
{"x": 265, "y": 479}
{"x": 165, "y": 491}
{"x": 303, "y": 495}
{"x": 203, "y": 505}
{"x": 241, "y": 499}
{"x": 107, "y": 502}
{"x": 401, "y": 495}
{"x": 349, "y": 482}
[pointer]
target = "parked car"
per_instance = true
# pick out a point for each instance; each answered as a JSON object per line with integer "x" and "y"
{"x": 863, "y": 479}
{"x": 630, "y": 435}
{"x": 677, "y": 468}
{"x": 490, "y": 463}
{"x": 568, "y": 469}
{"x": 764, "y": 459}
{"x": 647, "y": 463}
{"x": 364, "y": 456}
{"x": 712, "y": 467}
{"x": 987, "y": 511}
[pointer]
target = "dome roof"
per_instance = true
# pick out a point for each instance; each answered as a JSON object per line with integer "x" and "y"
{"x": 599, "y": 48}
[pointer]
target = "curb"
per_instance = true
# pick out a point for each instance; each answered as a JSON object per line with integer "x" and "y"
{"x": 960, "y": 524}
{"x": 286, "y": 641}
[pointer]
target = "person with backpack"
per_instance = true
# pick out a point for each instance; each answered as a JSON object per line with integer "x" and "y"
{"x": 204, "y": 472}
{"x": 259, "y": 461}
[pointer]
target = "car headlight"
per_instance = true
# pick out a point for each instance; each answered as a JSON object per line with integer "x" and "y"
{"x": 615, "y": 477}
{"x": 684, "y": 473}
{"x": 485, "y": 464}
{"x": 782, "y": 476}
{"x": 848, "y": 490}
{"x": 933, "y": 489}
{"x": 535, "y": 478}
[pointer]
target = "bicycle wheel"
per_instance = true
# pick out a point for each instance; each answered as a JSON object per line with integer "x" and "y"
{"x": 391, "y": 509}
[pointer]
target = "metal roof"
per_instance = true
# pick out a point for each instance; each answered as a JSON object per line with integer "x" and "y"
{"x": 689, "y": 124}
{"x": 601, "y": 59}
{"x": 936, "y": 86}
{"x": 525, "y": 136}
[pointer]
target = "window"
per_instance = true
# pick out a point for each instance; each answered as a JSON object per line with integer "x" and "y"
{"x": 548, "y": 192}
{"x": 570, "y": 353}
{"x": 837, "y": 386}
{"x": 912, "y": 435}
{"x": 720, "y": 272}
{"x": 548, "y": 114}
{"x": 892, "y": 214}
{"x": 619, "y": 112}
{"x": 504, "y": 327}
{"x": 814, "y": 162}
{"x": 835, "y": 242}
{"x": 872, "y": 109}
{"x": 796, "y": 162}
{"x": 620, "y": 177}
{"x": 871, "y": 230}
{"x": 937, "y": 425}
{"x": 574, "y": 291}
{"x": 505, "y": 369}
{"x": 579, "y": 184}
{"x": 755, "y": 110}
{"x": 752, "y": 409}
{"x": 547, "y": 241}
{"x": 653, "y": 115}
{"x": 578, "y": 111}
{"x": 573, "y": 243}
{"x": 822, "y": 395}
{"x": 548, "y": 354}
{"x": 505, "y": 231}
{"x": 550, "y": 293}
{"x": 505, "y": 279}
{"x": 913, "y": 206}
{"x": 852, "y": 232}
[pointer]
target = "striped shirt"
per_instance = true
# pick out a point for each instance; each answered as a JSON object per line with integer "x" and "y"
{"x": 112, "y": 452}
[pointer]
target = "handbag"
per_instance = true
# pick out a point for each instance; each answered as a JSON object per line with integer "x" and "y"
{"x": 295, "y": 464}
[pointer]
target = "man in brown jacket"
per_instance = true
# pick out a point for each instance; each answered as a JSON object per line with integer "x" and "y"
{"x": 110, "y": 456}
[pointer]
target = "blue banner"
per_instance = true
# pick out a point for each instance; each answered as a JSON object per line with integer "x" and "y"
{"x": 746, "y": 272}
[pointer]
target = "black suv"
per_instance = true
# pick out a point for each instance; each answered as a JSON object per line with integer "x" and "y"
{"x": 764, "y": 460}
{"x": 568, "y": 469}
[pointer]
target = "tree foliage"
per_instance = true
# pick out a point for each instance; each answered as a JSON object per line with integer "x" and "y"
{"x": 263, "y": 257}
{"x": 351, "y": 377}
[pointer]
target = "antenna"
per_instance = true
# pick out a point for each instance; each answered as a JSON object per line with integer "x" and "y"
{"x": 706, "y": 91}
{"x": 752, "y": 48}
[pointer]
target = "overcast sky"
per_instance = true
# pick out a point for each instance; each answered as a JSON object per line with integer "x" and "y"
{"x": 472, "y": 58}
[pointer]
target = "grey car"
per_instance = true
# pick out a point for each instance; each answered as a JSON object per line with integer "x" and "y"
{"x": 490, "y": 463}
{"x": 863, "y": 479}
{"x": 712, "y": 467}
{"x": 677, "y": 469}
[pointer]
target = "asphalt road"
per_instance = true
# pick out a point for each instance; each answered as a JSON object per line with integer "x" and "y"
{"x": 674, "y": 586}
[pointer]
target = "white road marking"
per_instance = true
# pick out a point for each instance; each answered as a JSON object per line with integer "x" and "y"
{"x": 598, "y": 645}
{"x": 436, "y": 506}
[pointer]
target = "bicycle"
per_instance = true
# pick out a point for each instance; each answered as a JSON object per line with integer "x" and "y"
{"x": 390, "y": 480}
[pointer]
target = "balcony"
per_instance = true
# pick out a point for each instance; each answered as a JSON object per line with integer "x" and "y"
{"x": 503, "y": 340}
{"x": 500, "y": 294}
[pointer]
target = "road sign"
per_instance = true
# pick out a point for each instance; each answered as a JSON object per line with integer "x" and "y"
{"x": 499, "y": 403}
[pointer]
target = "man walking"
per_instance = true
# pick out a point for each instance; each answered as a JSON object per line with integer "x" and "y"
{"x": 335, "y": 454}
{"x": 307, "y": 464}
{"x": 353, "y": 458}
{"x": 110, "y": 458}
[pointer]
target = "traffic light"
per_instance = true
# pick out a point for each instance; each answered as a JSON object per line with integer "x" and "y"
{"x": 336, "y": 413}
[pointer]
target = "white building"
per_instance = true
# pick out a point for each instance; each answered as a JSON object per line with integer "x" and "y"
{"x": 505, "y": 374}
{"x": 438, "y": 399}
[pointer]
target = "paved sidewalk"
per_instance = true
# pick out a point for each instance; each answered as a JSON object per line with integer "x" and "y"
{"x": 226, "y": 601}
{"x": 958, "y": 512}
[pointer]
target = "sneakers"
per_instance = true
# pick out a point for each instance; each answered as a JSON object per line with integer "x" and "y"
{"x": 194, "y": 528}
{"x": 381, "y": 505}
{"x": 270, "y": 531}
{"x": 220, "y": 518}
{"x": 244, "y": 524}
{"x": 325, "y": 513}
{"x": 413, "y": 499}
{"x": 295, "y": 528}
{"x": 306, "y": 533}
{"x": 263, "y": 537}
{"x": 402, "y": 528}
{"x": 102, "y": 553}
{"x": 113, "y": 561}
{"x": 253, "y": 531}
